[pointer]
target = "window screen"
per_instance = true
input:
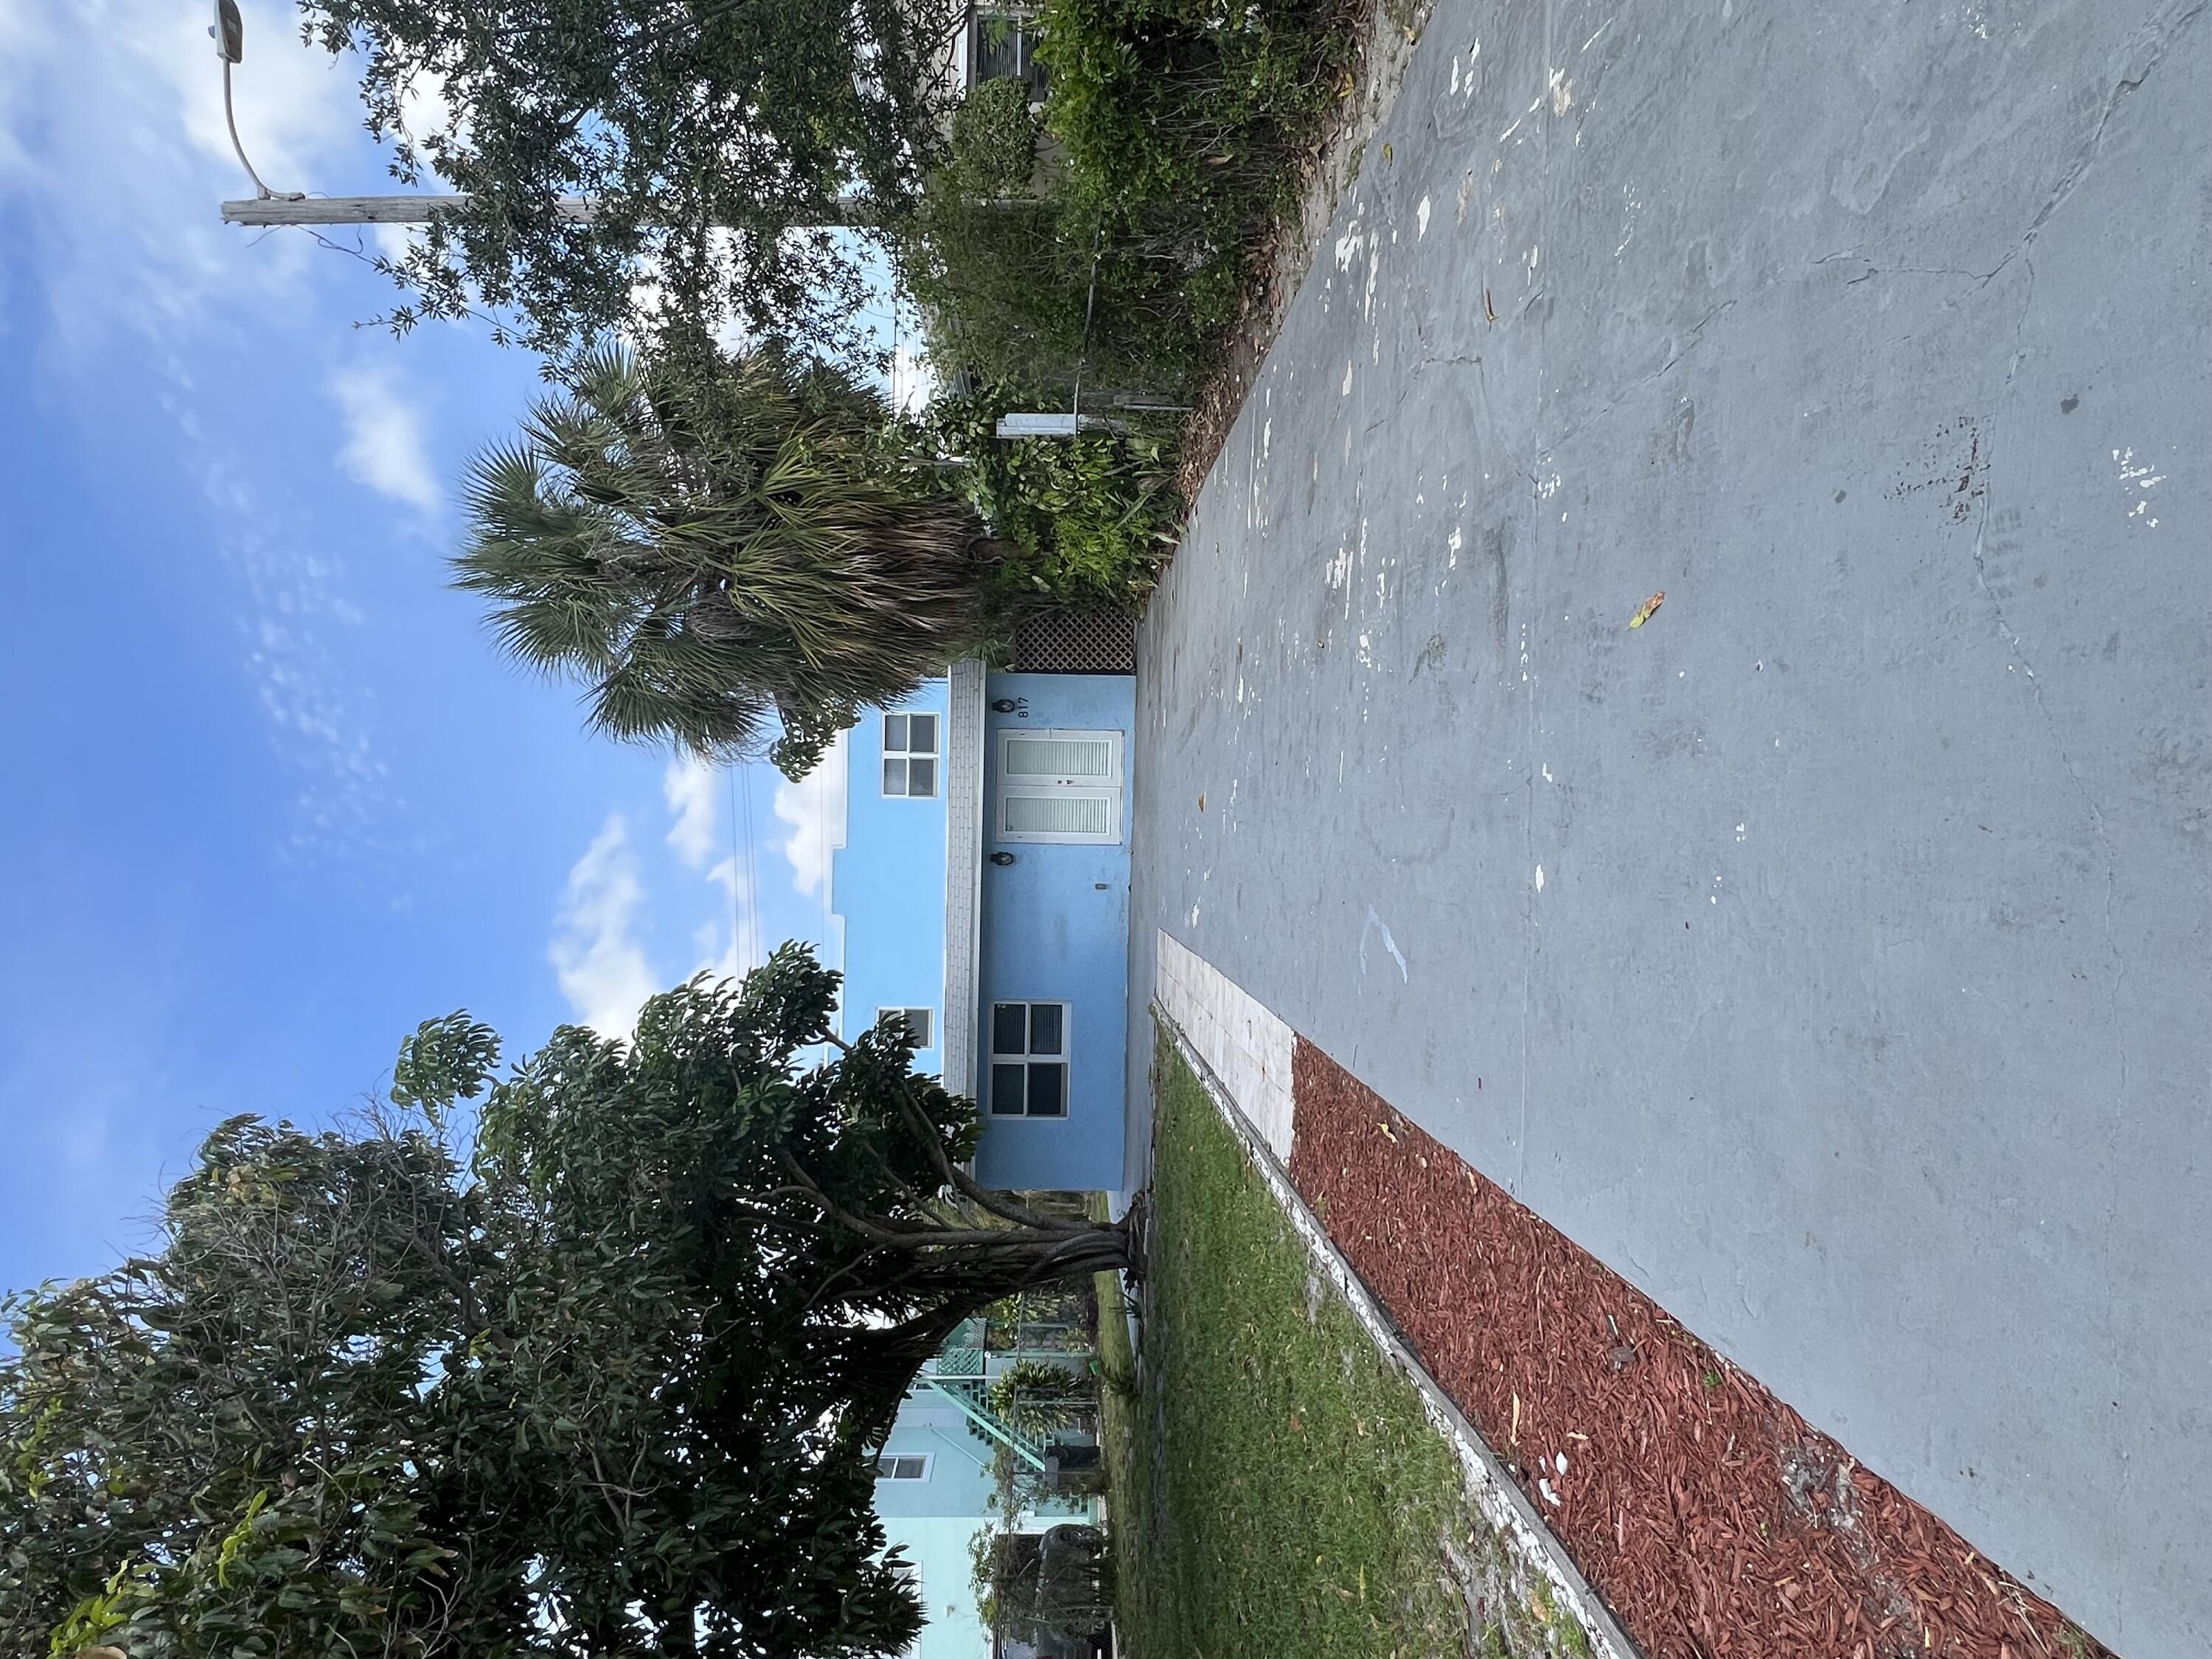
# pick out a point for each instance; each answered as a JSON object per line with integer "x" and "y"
{"x": 1059, "y": 758}
{"x": 904, "y": 1466}
{"x": 1007, "y": 45}
{"x": 1090, "y": 817}
{"x": 922, "y": 1021}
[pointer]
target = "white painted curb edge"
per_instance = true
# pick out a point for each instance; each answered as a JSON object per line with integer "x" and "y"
{"x": 1503, "y": 1503}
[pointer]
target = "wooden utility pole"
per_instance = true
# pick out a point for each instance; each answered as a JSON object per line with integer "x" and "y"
{"x": 848, "y": 215}
{"x": 372, "y": 210}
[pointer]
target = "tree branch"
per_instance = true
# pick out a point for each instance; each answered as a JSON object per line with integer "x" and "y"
{"x": 933, "y": 1142}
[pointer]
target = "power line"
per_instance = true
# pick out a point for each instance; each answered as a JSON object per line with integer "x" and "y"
{"x": 745, "y": 778}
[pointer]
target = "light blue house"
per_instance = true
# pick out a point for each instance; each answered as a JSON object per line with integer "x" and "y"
{"x": 935, "y": 1485}
{"x": 979, "y": 889}
{"x": 983, "y": 892}
{"x": 934, "y": 1490}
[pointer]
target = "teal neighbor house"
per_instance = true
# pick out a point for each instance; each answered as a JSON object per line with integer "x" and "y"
{"x": 981, "y": 890}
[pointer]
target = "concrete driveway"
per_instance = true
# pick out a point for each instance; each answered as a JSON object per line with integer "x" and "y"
{"x": 1833, "y": 955}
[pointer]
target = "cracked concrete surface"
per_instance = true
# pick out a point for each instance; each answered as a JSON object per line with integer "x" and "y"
{"x": 1832, "y": 955}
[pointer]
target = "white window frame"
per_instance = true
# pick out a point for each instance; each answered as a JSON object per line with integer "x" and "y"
{"x": 934, "y": 755}
{"x": 1022, "y": 22}
{"x": 928, "y": 1033}
{"x": 927, "y": 1460}
{"x": 1108, "y": 787}
{"x": 1065, "y": 1060}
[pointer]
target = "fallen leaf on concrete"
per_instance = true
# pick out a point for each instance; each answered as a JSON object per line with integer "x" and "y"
{"x": 1201, "y": 803}
{"x": 1645, "y": 611}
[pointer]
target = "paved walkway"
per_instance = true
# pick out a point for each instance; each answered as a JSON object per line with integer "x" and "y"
{"x": 1831, "y": 956}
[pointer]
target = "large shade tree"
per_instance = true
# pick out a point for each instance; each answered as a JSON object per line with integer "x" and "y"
{"x": 721, "y": 142}
{"x": 609, "y": 1386}
{"x": 722, "y": 547}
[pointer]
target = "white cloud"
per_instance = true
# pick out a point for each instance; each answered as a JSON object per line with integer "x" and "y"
{"x": 293, "y": 605}
{"x": 114, "y": 146}
{"x": 114, "y": 156}
{"x": 384, "y": 446}
{"x": 595, "y": 954}
{"x": 395, "y": 242}
{"x": 728, "y": 950}
{"x": 728, "y": 942}
{"x": 815, "y": 810}
{"x": 689, "y": 786}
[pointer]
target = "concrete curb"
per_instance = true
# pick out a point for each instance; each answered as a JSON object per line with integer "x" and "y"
{"x": 1502, "y": 1502}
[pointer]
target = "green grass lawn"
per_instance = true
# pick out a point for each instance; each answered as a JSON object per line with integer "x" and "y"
{"x": 1276, "y": 1490}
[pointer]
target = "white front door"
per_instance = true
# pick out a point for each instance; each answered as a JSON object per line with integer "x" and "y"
{"x": 1060, "y": 786}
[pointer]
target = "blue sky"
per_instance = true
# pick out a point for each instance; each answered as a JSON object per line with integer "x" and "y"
{"x": 270, "y": 799}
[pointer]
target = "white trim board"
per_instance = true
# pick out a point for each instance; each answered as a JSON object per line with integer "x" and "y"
{"x": 963, "y": 740}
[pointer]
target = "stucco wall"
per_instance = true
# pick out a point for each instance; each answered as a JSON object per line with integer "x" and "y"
{"x": 887, "y": 882}
{"x": 935, "y": 1519}
{"x": 959, "y": 1481}
{"x": 938, "y": 1546}
{"x": 1055, "y": 927}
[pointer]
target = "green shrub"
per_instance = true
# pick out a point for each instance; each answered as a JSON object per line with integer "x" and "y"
{"x": 1089, "y": 521}
{"x": 1035, "y": 1397}
{"x": 1177, "y": 129}
{"x": 1001, "y": 290}
{"x": 991, "y": 149}
{"x": 1181, "y": 124}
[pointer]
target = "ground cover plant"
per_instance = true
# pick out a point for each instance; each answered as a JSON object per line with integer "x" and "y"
{"x": 1276, "y": 1486}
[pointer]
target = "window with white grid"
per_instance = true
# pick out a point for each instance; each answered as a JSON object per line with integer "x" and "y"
{"x": 910, "y": 754}
{"x": 1029, "y": 1059}
{"x": 903, "y": 1466}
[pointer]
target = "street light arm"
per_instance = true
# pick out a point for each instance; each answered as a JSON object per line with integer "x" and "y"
{"x": 231, "y": 121}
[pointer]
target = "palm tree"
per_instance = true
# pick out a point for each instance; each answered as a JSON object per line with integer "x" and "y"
{"x": 715, "y": 544}
{"x": 1036, "y": 1397}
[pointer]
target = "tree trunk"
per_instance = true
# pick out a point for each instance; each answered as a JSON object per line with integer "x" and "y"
{"x": 958, "y": 1280}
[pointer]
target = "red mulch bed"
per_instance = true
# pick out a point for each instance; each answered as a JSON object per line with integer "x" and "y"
{"x": 1716, "y": 1523}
